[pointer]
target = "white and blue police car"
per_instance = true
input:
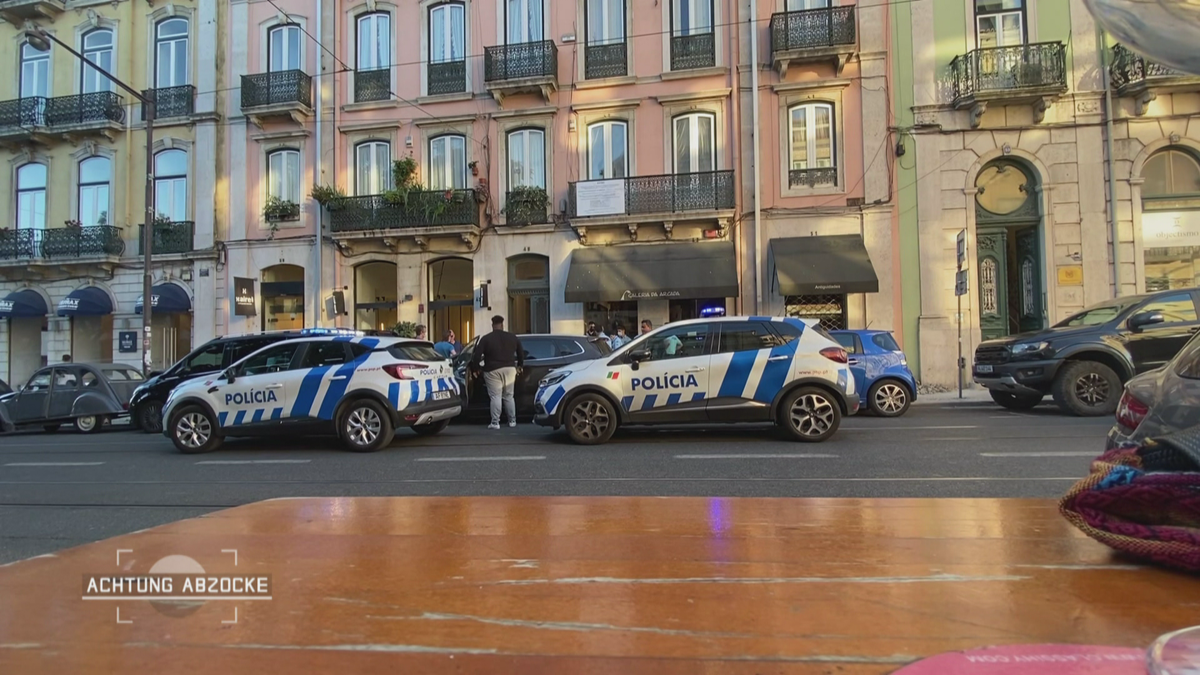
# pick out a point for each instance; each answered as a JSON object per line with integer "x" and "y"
{"x": 361, "y": 388}
{"x": 724, "y": 369}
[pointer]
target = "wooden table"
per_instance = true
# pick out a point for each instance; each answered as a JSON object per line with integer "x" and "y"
{"x": 596, "y": 585}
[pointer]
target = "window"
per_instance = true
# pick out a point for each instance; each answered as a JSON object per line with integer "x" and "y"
{"x": 566, "y": 347}
{"x": 607, "y": 150}
{"x": 39, "y": 382}
{"x": 447, "y": 33}
{"x": 524, "y": 20}
{"x": 273, "y": 360}
{"x": 605, "y": 22}
{"x": 171, "y": 53}
{"x": 374, "y": 41}
{"x": 31, "y": 197}
{"x": 829, "y": 310}
{"x": 848, "y": 341}
{"x": 811, "y": 130}
{"x": 373, "y": 172}
{"x": 95, "y": 174}
{"x": 695, "y": 143}
{"x": 324, "y": 354}
{"x": 65, "y": 379}
{"x": 206, "y": 360}
{"x": 170, "y": 185}
{"x": 35, "y": 71}
{"x": 284, "y": 44}
{"x": 283, "y": 175}
{"x": 886, "y": 342}
{"x": 239, "y": 350}
{"x": 527, "y": 158}
{"x": 787, "y": 332}
{"x": 448, "y": 163}
{"x": 90, "y": 381}
{"x": 747, "y": 336}
{"x": 119, "y": 374}
{"x": 801, "y": 5}
{"x": 999, "y": 23}
{"x": 1175, "y": 308}
{"x": 691, "y": 17}
{"x": 415, "y": 351}
{"x": 1187, "y": 363}
{"x": 676, "y": 343}
{"x": 536, "y": 348}
{"x": 97, "y": 48}
{"x": 1171, "y": 172}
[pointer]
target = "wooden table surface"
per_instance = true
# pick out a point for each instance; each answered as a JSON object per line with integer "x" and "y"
{"x": 596, "y": 585}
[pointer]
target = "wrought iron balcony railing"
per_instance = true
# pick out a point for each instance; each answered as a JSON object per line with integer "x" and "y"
{"x": 1129, "y": 67}
{"x": 520, "y": 61}
{"x": 813, "y": 28}
{"x": 820, "y": 177}
{"x": 605, "y": 60}
{"x": 418, "y": 209}
{"x": 61, "y": 242}
{"x": 372, "y": 85}
{"x": 171, "y": 101}
{"x": 277, "y": 88}
{"x": 525, "y": 207}
{"x": 98, "y": 106}
{"x": 25, "y": 113}
{"x": 446, "y": 77}
{"x": 173, "y": 237}
{"x": 670, "y": 193}
{"x": 995, "y": 70}
{"x": 689, "y": 52}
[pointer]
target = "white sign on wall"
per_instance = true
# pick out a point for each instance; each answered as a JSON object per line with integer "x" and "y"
{"x": 600, "y": 198}
{"x": 1161, "y": 229}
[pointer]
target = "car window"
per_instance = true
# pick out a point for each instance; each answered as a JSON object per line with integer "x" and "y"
{"x": 65, "y": 379}
{"x": 1175, "y": 308}
{"x": 739, "y": 336}
{"x": 90, "y": 380}
{"x": 885, "y": 341}
{"x": 786, "y": 331}
{"x": 602, "y": 346}
{"x": 677, "y": 343}
{"x": 566, "y": 347}
{"x": 1187, "y": 362}
{"x": 358, "y": 350}
{"x": 39, "y": 381}
{"x": 122, "y": 374}
{"x": 538, "y": 348}
{"x": 206, "y": 359}
{"x": 1094, "y": 316}
{"x": 415, "y": 351}
{"x": 240, "y": 349}
{"x": 271, "y": 360}
{"x": 847, "y": 341}
{"x": 324, "y": 354}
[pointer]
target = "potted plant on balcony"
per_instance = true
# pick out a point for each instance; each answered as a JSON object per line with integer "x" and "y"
{"x": 526, "y": 204}
{"x": 329, "y": 196}
{"x": 277, "y": 209}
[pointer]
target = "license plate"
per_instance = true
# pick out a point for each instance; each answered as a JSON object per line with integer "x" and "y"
{"x": 442, "y": 395}
{"x": 983, "y": 369}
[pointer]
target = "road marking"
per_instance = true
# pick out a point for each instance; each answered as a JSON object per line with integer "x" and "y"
{"x": 255, "y": 461}
{"x": 776, "y": 456}
{"x": 54, "y": 464}
{"x": 1084, "y": 453}
{"x": 515, "y": 458}
{"x": 898, "y": 428}
{"x": 953, "y": 438}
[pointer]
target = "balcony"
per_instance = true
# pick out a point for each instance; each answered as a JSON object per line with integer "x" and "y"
{"x": 526, "y": 206}
{"x": 101, "y": 112}
{"x": 1035, "y": 74}
{"x": 446, "y": 77}
{"x": 641, "y": 200}
{"x": 26, "y": 254}
{"x": 813, "y": 178}
{"x": 171, "y": 102}
{"x": 529, "y": 67}
{"x": 828, "y": 34}
{"x": 372, "y": 85}
{"x": 285, "y": 93}
{"x": 17, "y": 12}
{"x": 695, "y": 51}
{"x": 1143, "y": 80}
{"x": 170, "y": 238}
{"x": 419, "y": 214}
{"x": 605, "y": 60}
{"x": 22, "y": 118}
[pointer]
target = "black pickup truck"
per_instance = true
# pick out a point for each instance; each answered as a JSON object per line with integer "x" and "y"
{"x": 1085, "y": 360}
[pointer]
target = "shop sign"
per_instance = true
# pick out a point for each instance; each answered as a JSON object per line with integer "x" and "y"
{"x": 600, "y": 198}
{"x": 1163, "y": 229}
{"x": 243, "y": 297}
{"x": 6, "y": 306}
{"x": 127, "y": 342}
{"x": 648, "y": 295}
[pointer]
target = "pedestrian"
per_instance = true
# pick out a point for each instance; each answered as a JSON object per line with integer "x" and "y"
{"x": 422, "y": 332}
{"x": 502, "y": 358}
{"x": 594, "y": 332}
{"x": 66, "y": 358}
{"x": 446, "y": 347}
{"x": 646, "y": 326}
{"x": 620, "y": 339}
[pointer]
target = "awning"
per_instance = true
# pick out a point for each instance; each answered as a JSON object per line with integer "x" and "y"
{"x": 21, "y": 304}
{"x": 653, "y": 271}
{"x": 818, "y": 265}
{"x": 86, "y": 301}
{"x": 166, "y": 299}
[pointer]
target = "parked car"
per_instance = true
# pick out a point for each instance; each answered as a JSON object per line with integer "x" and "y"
{"x": 543, "y": 353}
{"x": 1084, "y": 360}
{"x": 4, "y": 388}
{"x": 86, "y": 395}
{"x": 882, "y": 378}
{"x": 1160, "y": 402}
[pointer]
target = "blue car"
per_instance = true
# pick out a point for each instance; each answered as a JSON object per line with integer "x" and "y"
{"x": 882, "y": 379}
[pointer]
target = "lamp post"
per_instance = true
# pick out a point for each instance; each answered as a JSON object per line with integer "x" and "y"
{"x": 40, "y": 40}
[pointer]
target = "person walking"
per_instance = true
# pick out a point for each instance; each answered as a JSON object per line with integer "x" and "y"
{"x": 500, "y": 357}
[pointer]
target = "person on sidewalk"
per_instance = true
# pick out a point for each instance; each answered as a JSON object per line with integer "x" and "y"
{"x": 620, "y": 339}
{"x": 422, "y": 332}
{"x": 446, "y": 346}
{"x": 647, "y": 326}
{"x": 502, "y": 358}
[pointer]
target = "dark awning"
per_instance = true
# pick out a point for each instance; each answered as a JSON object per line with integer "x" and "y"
{"x": 639, "y": 272}
{"x": 23, "y": 303}
{"x": 86, "y": 301}
{"x": 167, "y": 299}
{"x": 817, "y": 265}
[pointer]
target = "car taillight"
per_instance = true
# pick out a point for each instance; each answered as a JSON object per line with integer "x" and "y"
{"x": 836, "y": 354}
{"x": 396, "y": 370}
{"x": 1131, "y": 412}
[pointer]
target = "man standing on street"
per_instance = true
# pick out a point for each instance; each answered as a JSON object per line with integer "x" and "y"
{"x": 502, "y": 357}
{"x": 422, "y": 332}
{"x": 646, "y": 326}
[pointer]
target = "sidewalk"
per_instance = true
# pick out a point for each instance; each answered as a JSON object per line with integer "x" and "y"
{"x": 972, "y": 396}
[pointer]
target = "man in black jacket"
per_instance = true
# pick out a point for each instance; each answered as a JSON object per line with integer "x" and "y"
{"x": 502, "y": 355}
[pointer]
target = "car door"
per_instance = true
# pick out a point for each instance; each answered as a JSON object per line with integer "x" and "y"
{"x": 1153, "y": 345}
{"x": 322, "y": 378}
{"x": 666, "y": 378}
{"x": 860, "y": 358}
{"x": 746, "y": 371}
{"x": 541, "y": 356}
{"x": 258, "y": 392}
{"x": 473, "y": 387}
{"x": 64, "y": 390}
{"x": 29, "y": 405}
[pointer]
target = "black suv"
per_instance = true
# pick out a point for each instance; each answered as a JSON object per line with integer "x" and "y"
{"x": 1085, "y": 360}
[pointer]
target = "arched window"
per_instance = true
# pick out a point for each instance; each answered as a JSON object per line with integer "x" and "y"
{"x": 31, "y": 197}
{"x": 95, "y": 176}
{"x": 448, "y": 162}
{"x": 695, "y": 142}
{"x": 374, "y": 41}
{"x": 171, "y": 53}
{"x": 97, "y": 48}
{"x": 284, "y": 44}
{"x": 170, "y": 185}
{"x": 35, "y": 71}
{"x": 1171, "y": 219}
{"x": 1173, "y": 172}
{"x": 608, "y": 152}
{"x": 283, "y": 175}
{"x": 373, "y": 167}
{"x": 527, "y": 158}
{"x": 1003, "y": 189}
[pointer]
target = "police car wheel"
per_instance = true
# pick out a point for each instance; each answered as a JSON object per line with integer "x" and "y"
{"x": 431, "y": 428}
{"x": 365, "y": 426}
{"x": 810, "y": 414}
{"x": 194, "y": 431}
{"x": 590, "y": 419}
{"x": 888, "y": 398}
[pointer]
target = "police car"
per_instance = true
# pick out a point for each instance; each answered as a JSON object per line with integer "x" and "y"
{"x": 737, "y": 369}
{"x": 361, "y": 388}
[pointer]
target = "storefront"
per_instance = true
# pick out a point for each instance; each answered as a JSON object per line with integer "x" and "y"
{"x": 26, "y": 313}
{"x": 90, "y": 310}
{"x": 171, "y": 324}
{"x": 375, "y": 290}
{"x": 283, "y": 297}
{"x": 818, "y": 275}
{"x": 452, "y": 298}
{"x": 1171, "y": 220}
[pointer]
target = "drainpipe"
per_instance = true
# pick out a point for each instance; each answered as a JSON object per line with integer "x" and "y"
{"x": 317, "y": 178}
{"x": 1112, "y": 177}
{"x": 735, "y": 86}
{"x": 758, "y": 273}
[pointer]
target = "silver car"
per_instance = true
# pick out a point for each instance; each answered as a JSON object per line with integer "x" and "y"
{"x": 1160, "y": 401}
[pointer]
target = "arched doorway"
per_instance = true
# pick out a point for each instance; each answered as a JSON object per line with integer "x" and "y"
{"x": 529, "y": 293}
{"x": 1171, "y": 219}
{"x": 375, "y": 306}
{"x": 26, "y": 311}
{"x": 451, "y": 298}
{"x": 283, "y": 297}
{"x": 1008, "y": 223}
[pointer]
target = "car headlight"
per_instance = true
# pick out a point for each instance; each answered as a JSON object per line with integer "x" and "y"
{"x": 552, "y": 379}
{"x": 1029, "y": 348}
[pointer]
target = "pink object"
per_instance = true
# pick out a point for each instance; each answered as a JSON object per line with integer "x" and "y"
{"x": 1034, "y": 660}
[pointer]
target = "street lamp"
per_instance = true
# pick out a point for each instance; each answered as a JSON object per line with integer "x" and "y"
{"x": 40, "y": 40}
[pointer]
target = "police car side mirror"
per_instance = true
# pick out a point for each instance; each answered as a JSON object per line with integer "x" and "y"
{"x": 636, "y": 357}
{"x": 230, "y": 376}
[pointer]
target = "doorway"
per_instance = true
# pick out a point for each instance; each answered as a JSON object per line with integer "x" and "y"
{"x": 1008, "y": 250}
{"x": 283, "y": 297}
{"x": 375, "y": 291}
{"x": 452, "y": 298}
{"x": 529, "y": 294}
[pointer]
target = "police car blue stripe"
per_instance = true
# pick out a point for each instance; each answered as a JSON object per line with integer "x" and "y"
{"x": 648, "y": 402}
{"x": 428, "y": 389}
{"x": 673, "y": 399}
{"x": 221, "y": 417}
{"x": 394, "y": 395}
{"x": 555, "y": 398}
{"x": 775, "y": 372}
{"x": 759, "y": 318}
{"x": 698, "y": 396}
{"x": 309, "y": 387}
{"x": 627, "y": 403}
{"x": 737, "y": 374}
{"x": 258, "y": 414}
{"x": 239, "y": 418}
{"x": 277, "y": 413}
{"x": 416, "y": 393}
{"x": 337, "y": 388}
{"x": 343, "y": 338}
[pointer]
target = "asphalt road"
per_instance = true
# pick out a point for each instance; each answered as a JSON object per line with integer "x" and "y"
{"x": 67, "y": 489}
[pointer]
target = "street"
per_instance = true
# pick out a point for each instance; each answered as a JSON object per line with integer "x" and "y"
{"x": 67, "y": 489}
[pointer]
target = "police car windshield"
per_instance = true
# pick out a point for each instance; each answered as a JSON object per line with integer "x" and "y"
{"x": 415, "y": 351}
